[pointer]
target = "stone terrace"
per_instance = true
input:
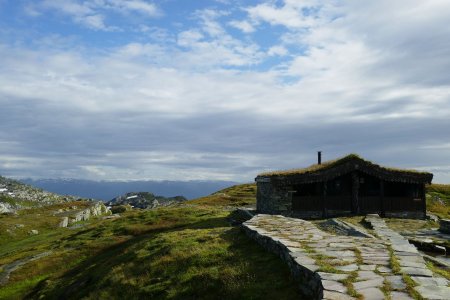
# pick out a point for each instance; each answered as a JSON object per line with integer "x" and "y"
{"x": 345, "y": 267}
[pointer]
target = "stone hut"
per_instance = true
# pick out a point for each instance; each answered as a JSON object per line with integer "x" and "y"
{"x": 350, "y": 185}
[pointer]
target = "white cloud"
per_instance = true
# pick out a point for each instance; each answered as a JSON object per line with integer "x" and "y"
{"x": 93, "y": 21}
{"x": 92, "y": 14}
{"x": 143, "y": 7}
{"x": 189, "y": 37}
{"x": 358, "y": 77}
{"x": 210, "y": 45}
{"x": 277, "y": 51}
{"x": 292, "y": 14}
{"x": 244, "y": 26}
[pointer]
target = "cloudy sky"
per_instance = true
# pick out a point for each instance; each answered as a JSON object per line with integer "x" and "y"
{"x": 221, "y": 90}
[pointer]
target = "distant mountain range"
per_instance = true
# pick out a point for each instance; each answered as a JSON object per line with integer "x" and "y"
{"x": 107, "y": 190}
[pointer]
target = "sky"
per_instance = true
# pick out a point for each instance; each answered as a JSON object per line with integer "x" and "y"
{"x": 221, "y": 90}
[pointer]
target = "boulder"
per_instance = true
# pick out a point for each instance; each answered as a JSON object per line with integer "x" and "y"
{"x": 64, "y": 222}
{"x": 6, "y": 208}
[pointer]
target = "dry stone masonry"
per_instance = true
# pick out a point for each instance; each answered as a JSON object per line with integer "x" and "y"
{"x": 329, "y": 266}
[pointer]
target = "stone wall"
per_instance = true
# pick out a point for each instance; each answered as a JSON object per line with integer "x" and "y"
{"x": 444, "y": 225}
{"x": 310, "y": 283}
{"x": 273, "y": 199}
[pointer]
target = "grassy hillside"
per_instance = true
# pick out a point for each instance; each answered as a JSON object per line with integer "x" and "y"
{"x": 438, "y": 199}
{"x": 189, "y": 251}
{"x": 235, "y": 196}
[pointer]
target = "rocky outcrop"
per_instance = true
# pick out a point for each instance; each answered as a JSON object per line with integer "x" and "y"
{"x": 145, "y": 200}
{"x": 95, "y": 209}
{"x": 18, "y": 192}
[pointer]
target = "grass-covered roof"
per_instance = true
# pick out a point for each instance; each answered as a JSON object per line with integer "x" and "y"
{"x": 348, "y": 159}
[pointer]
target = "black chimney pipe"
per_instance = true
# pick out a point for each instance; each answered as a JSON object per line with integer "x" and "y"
{"x": 319, "y": 157}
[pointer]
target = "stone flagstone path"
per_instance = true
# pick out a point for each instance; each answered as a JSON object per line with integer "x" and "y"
{"x": 411, "y": 262}
{"x": 345, "y": 266}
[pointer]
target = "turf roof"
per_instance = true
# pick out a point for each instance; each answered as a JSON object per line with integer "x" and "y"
{"x": 332, "y": 163}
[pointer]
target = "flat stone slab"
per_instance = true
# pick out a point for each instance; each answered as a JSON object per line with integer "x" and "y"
{"x": 412, "y": 264}
{"x": 433, "y": 292}
{"x": 376, "y": 282}
{"x": 347, "y": 268}
{"x": 383, "y": 262}
{"x": 304, "y": 260}
{"x": 408, "y": 248}
{"x": 367, "y": 267}
{"x": 371, "y": 294}
{"x": 367, "y": 275}
{"x": 430, "y": 281}
{"x": 400, "y": 296}
{"x": 342, "y": 245}
{"x": 415, "y": 258}
{"x": 341, "y": 253}
{"x": 330, "y": 295}
{"x": 417, "y": 271}
{"x": 338, "y": 261}
{"x": 335, "y": 286}
{"x": 333, "y": 276}
{"x": 396, "y": 282}
{"x": 384, "y": 270}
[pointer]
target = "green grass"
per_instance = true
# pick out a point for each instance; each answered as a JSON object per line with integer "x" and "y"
{"x": 348, "y": 282}
{"x": 180, "y": 252}
{"x": 438, "y": 199}
{"x": 20, "y": 289}
{"x": 235, "y": 196}
{"x": 444, "y": 272}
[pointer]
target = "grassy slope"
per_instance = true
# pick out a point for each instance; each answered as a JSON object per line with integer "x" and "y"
{"x": 438, "y": 199}
{"x": 184, "y": 252}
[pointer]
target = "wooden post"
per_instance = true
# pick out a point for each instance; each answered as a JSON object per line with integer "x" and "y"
{"x": 355, "y": 193}
{"x": 324, "y": 199}
{"x": 382, "y": 197}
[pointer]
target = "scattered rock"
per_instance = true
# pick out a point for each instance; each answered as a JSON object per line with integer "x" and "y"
{"x": 33, "y": 232}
